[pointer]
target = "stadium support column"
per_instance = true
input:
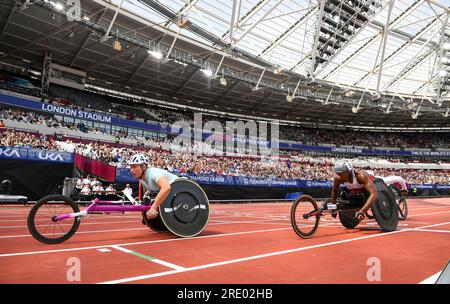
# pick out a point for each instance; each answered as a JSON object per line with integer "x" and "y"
{"x": 383, "y": 46}
{"x": 45, "y": 77}
{"x": 106, "y": 37}
{"x": 316, "y": 40}
{"x": 234, "y": 16}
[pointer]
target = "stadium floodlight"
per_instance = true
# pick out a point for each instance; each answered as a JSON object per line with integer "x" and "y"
{"x": 156, "y": 54}
{"x": 207, "y": 72}
{"x": 289, "y": 98}
{"x": 414, "y": 115}
{"x": 182, "y": 21}
{"x": 355, "y": 110}
{"x": 223, "y": 81}
{"x": 58, "y": 6}
{"x": 117, "y": 45}
{"x": 278, "y": 71}
{"x": 388, "y": 110}
{"x": 446, "y": 46}
{"x": 349, "y": 93}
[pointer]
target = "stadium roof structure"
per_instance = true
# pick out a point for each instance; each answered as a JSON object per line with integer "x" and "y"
{"x": 335, "y": 62}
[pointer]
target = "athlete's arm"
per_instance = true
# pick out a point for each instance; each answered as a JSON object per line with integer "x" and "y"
{"x": 163, "y": 193}
{"x": 364, "y": 179}
{"x": 335, "y": 190}
{"x": 403, "y": 184}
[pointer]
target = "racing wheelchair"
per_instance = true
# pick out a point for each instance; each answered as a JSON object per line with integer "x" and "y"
{"x": 306, "y": 213}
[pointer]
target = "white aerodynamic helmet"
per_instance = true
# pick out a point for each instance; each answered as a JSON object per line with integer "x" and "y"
{"x": 138, "y": 159}
{"x": 343, "y": 166}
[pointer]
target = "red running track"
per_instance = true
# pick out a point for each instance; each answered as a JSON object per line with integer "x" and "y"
{"x": 243, "y": 243}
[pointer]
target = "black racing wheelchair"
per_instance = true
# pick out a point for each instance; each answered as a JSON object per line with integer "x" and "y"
{"x": 306, "y": 213}
{"x": 402, "y": 206}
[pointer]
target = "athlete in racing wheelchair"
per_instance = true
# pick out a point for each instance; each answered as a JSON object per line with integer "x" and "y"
{"x": 351, "y": 203}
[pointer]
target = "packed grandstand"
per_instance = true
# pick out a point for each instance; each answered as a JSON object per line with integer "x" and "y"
{"x": 115, "y": 144}
{"x": 218, "y": 142}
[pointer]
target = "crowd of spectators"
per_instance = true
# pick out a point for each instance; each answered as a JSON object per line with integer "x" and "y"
{"x": 296, "y": 165}
{"x": 27, "y": 140}
{"x": 87, "y": 185}
{"x": 378, "y": 139}
{"x": 48, "y": 121}
{"x": 417, "y": 176}
{"x": 311, "y": 137}
{"x": 293, "y": 165}
{"x": 135, "y": 109}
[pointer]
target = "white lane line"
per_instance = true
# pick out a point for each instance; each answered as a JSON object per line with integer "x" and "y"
{"x": 104, "y": 250}
{"x": 431, "y": 230}
{"x": 122, "y": 249}
{"x": 432, "y": 279}
{"x": 159, "y": 274}
{"x": 429, "y": 207}
{"x": 423, "y": 214}
{"x": 89, "y": 219}
{"x": 252, "y": 217}
{"x": 140, "y": 243}
{"x": 146, "y": 242}
{"x": 149, "y": 258}
{"x": 96, "y": 223}
{"x": 212, "y": 224}
{"x": 250, "y": 220}
{"x": 78, "y": 232}
{"x": 102, "y": 231}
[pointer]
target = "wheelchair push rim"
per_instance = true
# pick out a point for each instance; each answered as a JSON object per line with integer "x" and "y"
{"x": 305, "y": 216}
{"x": 41, "y": 219}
